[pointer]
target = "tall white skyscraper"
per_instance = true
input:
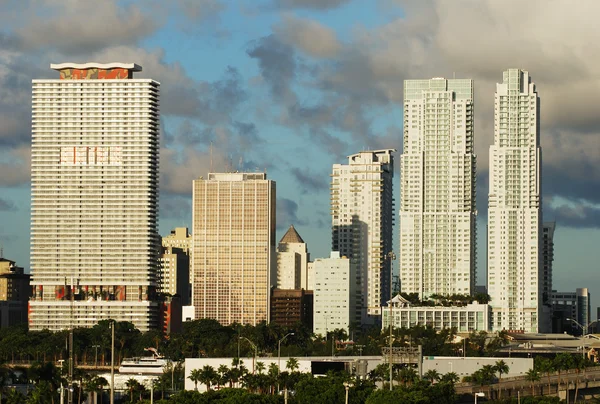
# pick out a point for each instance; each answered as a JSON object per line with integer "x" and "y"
{"x": 514, "y": 215}
{"x": 362, "y": 210}
{"x": 94, "y": 197}
{"x": 233, "y": 247}
{"x": 437, "y": 191}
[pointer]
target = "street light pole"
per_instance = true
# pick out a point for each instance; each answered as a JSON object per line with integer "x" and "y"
{"x": 480, "y": 394}
{"x": 112, "y": 363}
{"x": 392, "y": 257}
{"x": 279, "y": 357}
{"x": 347, "y": 387}
{"x": 255, "y": 354}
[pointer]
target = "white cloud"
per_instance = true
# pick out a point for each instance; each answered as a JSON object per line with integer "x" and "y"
{"x": 309, "y": 36}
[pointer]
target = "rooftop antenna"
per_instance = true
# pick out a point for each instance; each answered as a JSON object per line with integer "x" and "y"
{"x": 241, "y": 165}
{"x": 211, "y": 157}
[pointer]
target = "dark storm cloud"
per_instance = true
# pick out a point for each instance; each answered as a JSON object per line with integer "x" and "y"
{"x": 277, "y": 64}
{"x": 310, "y": 181}
{"x": 287, "y": 214}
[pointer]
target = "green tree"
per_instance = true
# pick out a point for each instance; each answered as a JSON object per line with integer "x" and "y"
{"x": 208, "y": 375}
{"x": 196, "y": 377}
{"x": 562, "y": 362}
{"x": 432, "y": 376}
{"x": 14, "y": 396}
{"x": 450, "y": 377}
{"x": 133, "y": 385}
{"x": 501, "y": 368}
{"x": 292, "y": 364}
{"x": 544, "y": 365}
{"x": 407, "y": 376}
{"x": 532, "y": 376}
{"x": 223, "y": 378}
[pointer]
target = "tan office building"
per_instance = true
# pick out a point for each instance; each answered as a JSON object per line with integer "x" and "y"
{"x": 233, "y": 247}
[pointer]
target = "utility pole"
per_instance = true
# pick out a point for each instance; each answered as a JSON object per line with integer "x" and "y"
{"x": 71, "y": 296}
{"x": 391, "y": 257}
{"x": 112, "y": 363}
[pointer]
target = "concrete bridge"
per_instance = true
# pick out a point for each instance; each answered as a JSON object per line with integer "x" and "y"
{"x": 586, "y": 384}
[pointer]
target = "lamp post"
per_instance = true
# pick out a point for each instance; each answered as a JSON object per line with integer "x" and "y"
{"x": 347, "y": 387}
{"x": 255, "y": 353}
{"x": 112, "y": 363}
{"x": 480, "y": 394}
{"x": 585, "y": 328}
{"x": 279, "y": 356}
{"x": 392, "y": 257}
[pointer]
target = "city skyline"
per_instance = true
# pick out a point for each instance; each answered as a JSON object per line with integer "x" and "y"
{"x": 296, "y": 104}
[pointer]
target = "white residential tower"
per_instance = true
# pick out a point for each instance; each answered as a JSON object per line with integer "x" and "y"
{"x": 514, "y": 214}
{"x": 94, "y": 197}
{"x": 437, "y": 191}
{"x": 362, "y": 210}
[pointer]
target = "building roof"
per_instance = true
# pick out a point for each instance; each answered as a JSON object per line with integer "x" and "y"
{"x": 96, "y": 65}
{"x": 291, "y": 236}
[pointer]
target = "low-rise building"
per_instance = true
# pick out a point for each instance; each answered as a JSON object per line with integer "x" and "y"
{"x": 292, "y": 306}
{"x": 467, "y": 318}
{"x": 14, "y": 294}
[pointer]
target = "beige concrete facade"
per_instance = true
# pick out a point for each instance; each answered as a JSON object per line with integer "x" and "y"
{"x": 233, "y": 247}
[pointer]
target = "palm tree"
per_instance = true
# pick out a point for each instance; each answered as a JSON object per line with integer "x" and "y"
{"x": 132, "y": 384}
{"x": 260, "y": 367}
{"x": 432, "y": 375}
{"x": 562, "y": 361}
{"x": 501, "y": 368}
{"x": 273, "y": 373}
{"x": 407, "y": 376}
{"x": 223, "y": 375}
{"x": 450, "y": 377}
{"x": 195, "y": 376}
{"x": 208, "y": 375}
{"x": 546, "y": 366}
{"x": 292, "y": 364}
{"x": 532, "y": 376}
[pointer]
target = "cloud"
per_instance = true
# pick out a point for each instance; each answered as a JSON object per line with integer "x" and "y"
{"x": 7, "y": 206}
{"x": 310, "y": 181}
{"x": 14, "y": 167}
{"x": 309, "y": 36}
{"x": 287, "y": 214}
{"x": 175, "y": 207}
{"x": 310, "y": 4}
{"x": 76, "y": 27}
{"x": 277, "y": 65}
{"x": 200, "y": 10}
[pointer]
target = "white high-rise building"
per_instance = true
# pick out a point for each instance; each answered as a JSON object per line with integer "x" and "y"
{"x": 334, "y": 294}
{"x": 233, "y": 247}
{"x": 437, "y": 191}
{"x": 94, "y": 197}
{"x": 514, "y": 215}
{"x": 362, "y": 211}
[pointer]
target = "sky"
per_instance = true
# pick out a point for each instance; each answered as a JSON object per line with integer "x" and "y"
{"x": 295, "y": 86}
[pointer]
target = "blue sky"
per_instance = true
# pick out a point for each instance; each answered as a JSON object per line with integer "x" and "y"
{"x": 294, "y": 86}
